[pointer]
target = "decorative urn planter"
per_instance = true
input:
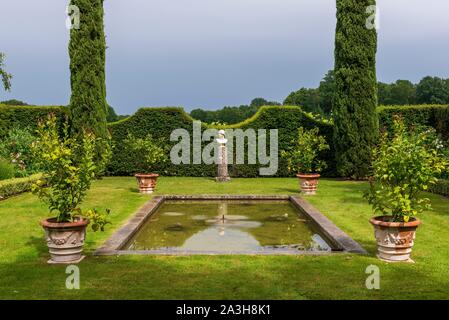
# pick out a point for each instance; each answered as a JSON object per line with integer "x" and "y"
{"x": 308, "y": 182}
{"x": 65, "y": 240}
{"x": 394, "y": 239}
{"x": 147, "y": 182}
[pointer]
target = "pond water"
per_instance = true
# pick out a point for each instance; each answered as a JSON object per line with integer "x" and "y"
{"x": 227, "y": 226}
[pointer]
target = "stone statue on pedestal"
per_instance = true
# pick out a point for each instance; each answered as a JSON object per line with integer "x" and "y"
{"x": 222, "y": 171}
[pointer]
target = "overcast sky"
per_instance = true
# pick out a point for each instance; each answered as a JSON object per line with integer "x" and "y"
{"x": 212, "y": 53}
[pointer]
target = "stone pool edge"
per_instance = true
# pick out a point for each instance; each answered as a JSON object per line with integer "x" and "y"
{"x": 339, "y": 239}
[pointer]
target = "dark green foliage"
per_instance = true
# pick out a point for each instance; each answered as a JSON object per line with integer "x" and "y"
{"x": 318, "y": 100}
{"x": 227, "y": 115}
{"x": 355, "y": 117}
{"x": 25, "y": 117}
{"x": 231, "y": 115}
{"x": 160, "y": 122}
{"x": 436, "y": 116}
{"x": 14, "y": 102}
{"x": 327, "y": 92}
{"x": 7, "y": 170}
{"x": 112, "y": 115}
{"x": 260, "y": 102}
{"x": 307, "y": 99}
{"x": 433, "y": 90}
{"x": 441, "y": 187}
{"x": 87, "y": 49}
{"x": 402, "y": 92}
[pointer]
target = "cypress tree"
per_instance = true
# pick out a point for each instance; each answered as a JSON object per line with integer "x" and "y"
{"x": 87, "y": 51}
{"x": 356, "y": 123}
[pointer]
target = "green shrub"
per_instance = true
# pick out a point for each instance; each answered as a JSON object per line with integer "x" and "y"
{"x": 67, "y": 171}
{"x": 7, "y": 169}
{"x": 11, "y": 187}
{"x": 302, "y": 156}
{"x": 405, "y": 164}
{"x": 147, "y": 152}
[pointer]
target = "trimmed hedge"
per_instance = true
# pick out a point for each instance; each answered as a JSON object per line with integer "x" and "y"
{"x": 436, "y": 116}
{"x": 25, "y": 116}
{"x": 441, "y": 187}
{"x": 160, "y": 122}
{"x": 11, "y": 187}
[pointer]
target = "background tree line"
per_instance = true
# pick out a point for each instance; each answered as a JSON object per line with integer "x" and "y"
{"x": 430, "y": 90}
{"x": 231, "y": 114}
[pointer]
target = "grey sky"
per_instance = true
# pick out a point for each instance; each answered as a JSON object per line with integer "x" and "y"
{"x": 211, "y": 53}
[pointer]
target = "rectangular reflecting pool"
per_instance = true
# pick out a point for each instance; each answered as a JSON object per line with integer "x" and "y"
{"x": 227, "y": 226}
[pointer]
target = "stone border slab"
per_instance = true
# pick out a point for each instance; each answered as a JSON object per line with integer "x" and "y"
{"x": 339, "y": 240}
{"x": 335, "y": 235}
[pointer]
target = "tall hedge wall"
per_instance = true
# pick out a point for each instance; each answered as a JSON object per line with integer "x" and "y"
{"x": 161, "y": 121}
{"x": 25, "y": 116}
{"x": 436, "y": 116}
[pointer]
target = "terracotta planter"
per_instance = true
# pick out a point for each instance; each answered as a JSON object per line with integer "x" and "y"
{"x": 65, "y": 240}
{"x": 394, "y": 239}
{"x": 147, "y": 182}
{"x": 308, "y": 182}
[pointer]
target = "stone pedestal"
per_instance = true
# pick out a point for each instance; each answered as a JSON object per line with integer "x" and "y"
{"x": 222, "y": 170}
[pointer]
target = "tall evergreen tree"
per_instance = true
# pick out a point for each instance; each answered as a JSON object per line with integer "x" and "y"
{"x": 87, "y": 50}
{"x": 356, "y": 122}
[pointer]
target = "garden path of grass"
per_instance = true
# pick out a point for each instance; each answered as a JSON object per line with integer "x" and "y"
{"x": 24, "y": 273}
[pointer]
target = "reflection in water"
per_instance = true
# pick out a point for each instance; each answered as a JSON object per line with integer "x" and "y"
{"x": 226, "y": 227}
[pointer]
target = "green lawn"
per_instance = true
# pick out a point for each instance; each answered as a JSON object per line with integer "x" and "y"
{"x": 24, "y": 273}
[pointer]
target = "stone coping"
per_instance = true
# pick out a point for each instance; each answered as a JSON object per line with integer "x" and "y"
{"x": 339, "y": 240}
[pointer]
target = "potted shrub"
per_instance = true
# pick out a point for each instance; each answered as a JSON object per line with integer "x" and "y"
{"x": 148, "y": 152}
{"x": 67, "y": 171}
{"x": 302, "y": 158}
{"x": 405, "y": 164}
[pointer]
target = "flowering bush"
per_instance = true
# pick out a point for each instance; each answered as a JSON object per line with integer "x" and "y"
{"x": 404, "y": 165}
{"x": 302, "y": 157}
{"x": 16, "y": 147}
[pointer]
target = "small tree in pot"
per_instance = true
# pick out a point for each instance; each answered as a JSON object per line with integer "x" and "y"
{"x": 405, "y": 164}
{"x": 67, "y": 171}
{"x": 302, "y": 158}
{"x": 148, "y": 152}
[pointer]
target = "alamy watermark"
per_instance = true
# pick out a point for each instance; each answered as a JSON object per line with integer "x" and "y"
{"x": 373, "y": 20}
{"x": 73, "y": 17}
{"x": 372, "y": 282}
{"x": 72, "y": 282}
{"x": 251, "y": 147}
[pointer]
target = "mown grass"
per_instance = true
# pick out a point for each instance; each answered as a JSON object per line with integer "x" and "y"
{"x": 24, "y": 273}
